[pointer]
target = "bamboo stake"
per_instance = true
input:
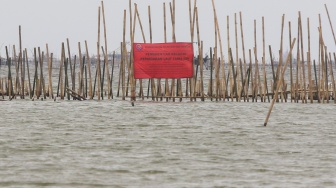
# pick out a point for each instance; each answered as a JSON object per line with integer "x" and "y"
{"x": 317, "y": 81}
{"x": 36, "y": 76}
{"x": 251, "y": 76}
{"x": 112, "y": 71}
{"x": 98, "y": 55}
{"x": 332, "y": 29}
{"x": 89, "y": 70}
{"x": 309, "y": 64}
{"x": 234, "y": 75}
{"x": 237, "y": 59}
{"x": 303, "y": 64}
{"x": 243, "y": 48}
{"x": 326, "y": 74}
{"x": 291, "y": 62}
{"x": 279, "y": 84}
{"x": 70, "y": 63}
{"x": 10, "y": 82}
{"x": 74, "y": 74}
{"x": 106, "y": 55}
{"x": 264, "y": 59}
{"x": 144, "y": 40}
{"x": 21, "y": 64}
{"x": 167, "y": 92}
{"x": 332, "y": 77}
{"x": 154, "y": 95}
{"x": 50, "y": 61}
{"x": 17, "y": 80}
{"x": 131, "y": 56}
{"x": 334, "y": 89}
{"x": 200, "y": 51}
{"x": 172, "y": 93}
{"x": 41, "y": 73}
{"x": 230, "y": 70}
{"x": 120, "y": 67}
{"x": 221, "y": 49}
{"x": 29, "y": 84}
{"x": 124, "y": 54}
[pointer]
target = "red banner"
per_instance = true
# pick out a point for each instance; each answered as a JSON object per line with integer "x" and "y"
{"x": 163, "y": 60}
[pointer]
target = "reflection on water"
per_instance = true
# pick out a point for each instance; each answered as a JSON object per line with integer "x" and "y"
{"x": 159, "y": 144}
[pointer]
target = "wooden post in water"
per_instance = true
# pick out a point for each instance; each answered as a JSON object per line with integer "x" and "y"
{"x": 112, "y": 71}
{"x": 70, "y": 64}
{"x": 89, "y": 70}
{"x": 152, "y": 82}
{"x": 220, "y": 63}
{"x": 291, "y": 63}
{"x": 41, "y": 73}
{"x": 279, "y": 84}
{"x": 310, "y": 83}
{"x": 331, "y": 26}
{"x": 303, "y": 62}
{"x": 264, "y": 60}
{"x": 106, "y": 55}
{"x": 29, "y": 84}
{"x": 98, "y": 55}
{"x": 10, "y": 82}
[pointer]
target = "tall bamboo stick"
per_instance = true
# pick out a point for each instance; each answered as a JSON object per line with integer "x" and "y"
{"x": 106, "y": 55}
{"x": 29, "y": 84}
{"x": 331, "y": 26}
{"x": 303, "y": 62}
{"x": 279, "y": 84}
{"x": 98, "y": 55}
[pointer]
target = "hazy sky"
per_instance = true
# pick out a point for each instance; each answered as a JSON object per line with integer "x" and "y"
{"x": 53, "y": 21}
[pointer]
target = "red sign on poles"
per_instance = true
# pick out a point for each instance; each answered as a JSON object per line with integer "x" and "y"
{"x": 163, "y": 60}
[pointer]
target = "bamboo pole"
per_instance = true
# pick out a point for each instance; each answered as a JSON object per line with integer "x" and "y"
{"x": 279, "y": 84}
{"x": 234, "y": 75}
{"x": 243, "y": 49}
{"x": 144, "y": 40}
{"x": 303, "y": 62}
{"x": 332, "y": 77}
{"x": 200, "y": 52}
{"x": 331, "y": 26}
{"x": 50, "y": 62}
{"x": 70, "y": 63}
{"x": 237, "y": 59}
{"x": 218, "y": 36}
{"x": 250, "y": 78}
{"x": 112, "y": 71}
{"x": 98, "y": 55}
{"x": 317, "y": 81}
{"x": 120, "y": 67}
{"x": 29, "y": 84}
{"x": 17, "y": 80}
{"x": 334, "y": 90}
{"x": 41, "y": 73}
{"x": 124, "y": 54}
{"x": 80, "y": 69}
{"x": 133, "y": 98}
{"x": 264, "y": 59}
{"x": 21, "y": 63}
{"x": 106, "y": 55}
{"x": 10, "y": 81}
{"x": 291, "y": 62}
{"x": 309, "y": 65}
{"x": 36, "y": 76}
{"x": 103, "y": 76}
{"x": 152, "y": 82}
{"x": 89, "y": 70}
{"x": 230, "y": 70}
{"x": 172, "y": 93}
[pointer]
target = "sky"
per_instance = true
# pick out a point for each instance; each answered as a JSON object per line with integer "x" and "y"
{"x": 53, "y": 21}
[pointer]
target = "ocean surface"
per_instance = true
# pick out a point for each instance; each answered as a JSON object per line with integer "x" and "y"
{"x": 166, "y": 144}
